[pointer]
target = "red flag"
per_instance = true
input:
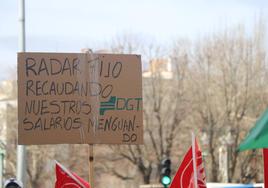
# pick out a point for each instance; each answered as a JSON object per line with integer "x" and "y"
{"x": 67, "y": 179}
{"x": 265, "y": 167}
{"x": 185, "y": 177}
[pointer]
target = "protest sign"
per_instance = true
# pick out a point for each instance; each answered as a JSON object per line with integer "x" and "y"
{"x": 79, "y": 98}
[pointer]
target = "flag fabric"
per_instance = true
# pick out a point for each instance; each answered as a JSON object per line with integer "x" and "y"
{"x": 258, "y": 135}
{"x": 258, "y": 138}
{"x": 185, "y": 176}
{"x": 67, "y": 179}
{"x": 265, "y": 169}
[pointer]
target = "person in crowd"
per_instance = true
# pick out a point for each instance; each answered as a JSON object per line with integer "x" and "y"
{"x": 13, "y": 183}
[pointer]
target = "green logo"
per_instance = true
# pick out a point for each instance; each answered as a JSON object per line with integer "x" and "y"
{"x": 116, "y": 103}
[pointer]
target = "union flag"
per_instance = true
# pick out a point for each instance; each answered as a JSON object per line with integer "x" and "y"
{"x": 67, "y": 179}
{"x": 191, "y": 173}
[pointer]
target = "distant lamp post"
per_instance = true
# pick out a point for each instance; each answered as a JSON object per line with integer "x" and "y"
{"x": 2, "y": 155}
{"x": 205, "y": 142}
{"x": 204, "y": 138}
{"x": 225, "y": 155}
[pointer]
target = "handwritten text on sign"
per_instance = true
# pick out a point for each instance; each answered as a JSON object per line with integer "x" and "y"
{"x": 79, "y": 98}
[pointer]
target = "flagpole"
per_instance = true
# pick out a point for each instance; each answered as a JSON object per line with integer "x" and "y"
{"x": 90, "y": 146}
{"x": 265, "y": 167}
{"x": 91, "y": 165}
{"x": 194, "y": 160}
{"x": 21, "y": 149}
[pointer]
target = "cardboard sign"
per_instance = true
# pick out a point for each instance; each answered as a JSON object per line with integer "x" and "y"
{"x": 79, "y": 98}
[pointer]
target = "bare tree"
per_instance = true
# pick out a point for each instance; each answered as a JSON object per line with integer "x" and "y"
{"x": 228, "y": 70}
{"x": 165, "y": 107}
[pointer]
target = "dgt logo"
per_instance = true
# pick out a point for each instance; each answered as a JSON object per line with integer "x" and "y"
{"x": 116, "y": 103}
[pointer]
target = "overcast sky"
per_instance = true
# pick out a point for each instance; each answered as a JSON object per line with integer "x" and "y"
{"x": 69, "y": 25}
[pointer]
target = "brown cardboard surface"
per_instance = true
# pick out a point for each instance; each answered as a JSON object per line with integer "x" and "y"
{"x": 79, "y": 98}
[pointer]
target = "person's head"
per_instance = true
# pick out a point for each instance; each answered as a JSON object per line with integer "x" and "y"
{"x": 13, "y": 183}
